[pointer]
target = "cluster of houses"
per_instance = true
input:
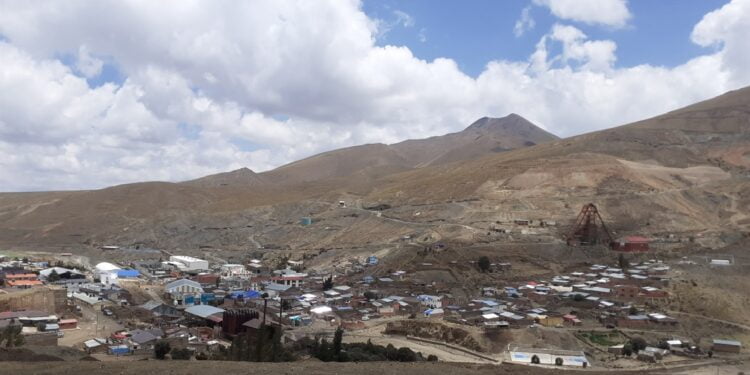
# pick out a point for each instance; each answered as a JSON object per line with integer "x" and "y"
{"x": 142, "y": 341}
{"x": 598, "y": 295}
{"x": 202, "y": 306}
{"x": 37, "y": 327}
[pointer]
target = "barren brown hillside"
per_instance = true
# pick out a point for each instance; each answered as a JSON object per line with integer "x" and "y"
{"x": 684, "y": 173}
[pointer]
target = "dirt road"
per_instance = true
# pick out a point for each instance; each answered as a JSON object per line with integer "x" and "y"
{"x": 698, "y": 316}
{"x": 443, "y": 353}
{"x": 93, "y": 324}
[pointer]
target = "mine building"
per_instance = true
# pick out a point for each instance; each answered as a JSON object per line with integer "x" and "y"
{"x": 632, "y": 244}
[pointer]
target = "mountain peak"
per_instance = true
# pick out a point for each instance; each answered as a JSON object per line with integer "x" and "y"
{"x": 238, "y": 177}
{"x": 512, "y": 125}
{"x": 243, "y": 171}
{"x": 512, "y": 120}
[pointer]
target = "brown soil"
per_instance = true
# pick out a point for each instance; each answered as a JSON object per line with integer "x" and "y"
{"x": 306, "y": 367}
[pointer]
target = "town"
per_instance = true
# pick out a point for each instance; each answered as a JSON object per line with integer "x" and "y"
{"x": 612, "y": 308}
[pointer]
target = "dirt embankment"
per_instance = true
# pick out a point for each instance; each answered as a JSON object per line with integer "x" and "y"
{"x": 306, "y": 367}
{"x": 436, "y": 331}
{"x": 24, "y": 355}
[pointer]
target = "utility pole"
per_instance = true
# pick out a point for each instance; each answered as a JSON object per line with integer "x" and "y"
{"x": 265, "y": 307}
{"x": 261, "y": 335}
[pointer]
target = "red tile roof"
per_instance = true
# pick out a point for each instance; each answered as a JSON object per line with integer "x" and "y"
{"x": 21, "y": 276}
{"x": 23, "y": 282}
{"x": 636, "y": 239}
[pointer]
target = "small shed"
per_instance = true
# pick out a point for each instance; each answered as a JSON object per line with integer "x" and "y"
{"x": 119, "y": 350}
{"x": 616, "y": 349}
{"x": 632, "y": 244}
{"x": 726, "y": 346}
{"x": 68, "y": 323}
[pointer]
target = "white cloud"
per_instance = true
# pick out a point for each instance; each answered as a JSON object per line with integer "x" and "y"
{"x": 422, "y": 35}
{"x": 403, "y": 18}
{"x": 400, "y": 19}
{"x": 613, "y": 13}
{"x": 88, "y": 65}
{"x": 597, "y": 55}
{"x": 211, "y": 86}
{"x": 728, "y": 29}
{"x": 524, "y": 23}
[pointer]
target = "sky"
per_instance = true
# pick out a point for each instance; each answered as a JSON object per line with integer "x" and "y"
{"x": 98, "y": 93}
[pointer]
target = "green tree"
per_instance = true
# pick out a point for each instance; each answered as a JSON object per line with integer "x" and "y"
{"x": 182, "y": 354}
{"x": 325, "y": 352}
{"x": 337, "y": 339}
{"x": 161, "y": 349}
{"x": 405, "y": 354}
{"x": 638, "y": 344}
{"x": 627, "y": 349}
{"x": 328, "y": 283}
{"x": 484, "y": 264}
{"x": 432, "y": 358}
{"x": 633, "y": 310}
{"x": 11, "y": 335}
{"x": 53, "y": 276}
{"x": 391, "y": 353}
{"x": 623, "y": 262}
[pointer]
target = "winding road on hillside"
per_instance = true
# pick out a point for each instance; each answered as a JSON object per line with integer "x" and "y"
{"x": 727, "y": 322}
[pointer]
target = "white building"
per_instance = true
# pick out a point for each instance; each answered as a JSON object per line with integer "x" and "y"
{"x": 549, "y": 357}
{"x": 190, "y": 263}
{"x": 234, "y": 270}
{"x": 432, "y": 302}
{"x": 106, "y": 273}
{"x": 183, "y": 286}
{"x": 289, "y": 277}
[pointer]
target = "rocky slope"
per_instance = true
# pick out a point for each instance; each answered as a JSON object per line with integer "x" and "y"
{"x": 685, "y": 173}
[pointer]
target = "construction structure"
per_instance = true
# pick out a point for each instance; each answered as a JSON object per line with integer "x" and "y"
{"x": 589, "y": 229}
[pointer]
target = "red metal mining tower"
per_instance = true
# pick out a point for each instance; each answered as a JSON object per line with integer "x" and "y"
{"x": 589, "y": 229}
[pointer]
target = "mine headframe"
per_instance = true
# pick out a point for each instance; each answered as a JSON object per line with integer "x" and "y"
{"x": 589, "y": 229}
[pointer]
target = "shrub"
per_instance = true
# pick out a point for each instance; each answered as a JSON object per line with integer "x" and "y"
{"x": 627, "y": 349}
{"x": 484, "y": 264}
{"x": 638, "y": 344}
{"x": 161, "y": 349}
{"x": 405, "y": 354}
{"x": 182, "y": 354}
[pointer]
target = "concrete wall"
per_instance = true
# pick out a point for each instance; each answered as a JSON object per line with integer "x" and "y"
{"x": 42, "y": 299}
{"x": 41, "y": 339}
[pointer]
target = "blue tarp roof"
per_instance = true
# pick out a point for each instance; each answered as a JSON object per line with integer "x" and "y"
{"x": 128, "y": 273}
{"x": 245, "y": 294}
{"x": 120, "y": 349}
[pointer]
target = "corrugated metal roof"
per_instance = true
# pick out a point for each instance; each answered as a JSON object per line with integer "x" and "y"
{"x": 203, "y": 311}
{"x": 150, "y": 305}
{"x": 128, "y": 273}
{"x": 727, "y": 342}
{"x": 181, "y": 282}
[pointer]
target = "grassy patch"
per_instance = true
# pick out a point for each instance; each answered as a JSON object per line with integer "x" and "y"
{"x": 603, "y": 338}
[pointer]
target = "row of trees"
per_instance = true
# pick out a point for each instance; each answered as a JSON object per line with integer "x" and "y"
{"x": 162, "y": 348}
{"x": 265, "y": 346}
{"x": 337, "y": 351}
{"x": 262, "y": 346}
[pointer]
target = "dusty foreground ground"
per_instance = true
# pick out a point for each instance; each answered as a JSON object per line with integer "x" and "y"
{"x": 310, "y": 368}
